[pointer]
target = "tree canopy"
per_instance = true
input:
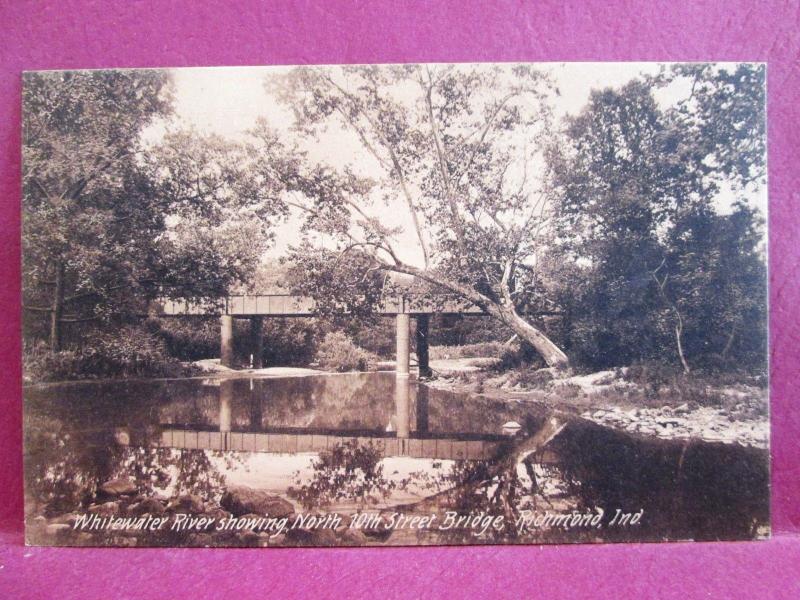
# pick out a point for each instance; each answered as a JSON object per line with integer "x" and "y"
{"x": 459, "y": 148}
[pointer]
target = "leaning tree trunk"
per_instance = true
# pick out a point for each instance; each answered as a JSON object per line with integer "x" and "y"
{"x": 57, "y": 309}
{"x": 504, "y": 311}
{"x": 552, "y": 354}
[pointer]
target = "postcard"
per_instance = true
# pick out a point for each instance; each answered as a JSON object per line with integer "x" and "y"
{"x": 402, "y": 304}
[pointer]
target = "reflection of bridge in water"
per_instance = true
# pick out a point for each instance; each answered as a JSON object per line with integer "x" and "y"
{"x": 256, "y": 308}
{"x": 402, "y": 437}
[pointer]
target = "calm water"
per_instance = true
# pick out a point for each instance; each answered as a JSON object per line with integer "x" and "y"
{"x": 371, "y": 443}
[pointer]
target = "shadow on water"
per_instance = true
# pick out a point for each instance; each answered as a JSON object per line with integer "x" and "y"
{"x": 364, "y": 443}
{"x": 688, "y": 489}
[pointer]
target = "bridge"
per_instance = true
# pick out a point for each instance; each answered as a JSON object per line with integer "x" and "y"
{"x": 257, "y": 307}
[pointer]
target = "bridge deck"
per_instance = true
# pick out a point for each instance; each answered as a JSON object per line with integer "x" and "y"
{"x": 285, "y": 305}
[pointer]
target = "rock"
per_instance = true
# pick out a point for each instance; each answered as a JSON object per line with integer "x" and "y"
{"x": 68, "y": 518}
{"x": 57, "y": 529}
{"x": 312, "y": 537}
{"x": 241, "y": 500}
{"x": 252, "y": 517}
{"x": 39, "y": 520}
{"x": 188, "y": 503}
{"x": 122, "y": 437}
{"x": 353, "y": 537}
{"x": 106, "y": 509}
{"x": 511, "y": 428}
{"x": 118, "y": 487}
{"x": 84, "y": 539}
{"x": 200, "y": 539}
{"x": 125, "y": 541}
{"x": 381, "y": 532}
{"x": 250, "y": 539}
{"x": 148, "y": 506}
{"x": 218, "y": 514}
{"x": 682, "y": 409}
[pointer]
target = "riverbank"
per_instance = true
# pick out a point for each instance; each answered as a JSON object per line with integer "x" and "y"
{"x": 696, "y": 407}
{"x": 212, "y": 366}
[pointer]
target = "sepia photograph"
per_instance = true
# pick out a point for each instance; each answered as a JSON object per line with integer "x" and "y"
{"x": 395, "y": 305}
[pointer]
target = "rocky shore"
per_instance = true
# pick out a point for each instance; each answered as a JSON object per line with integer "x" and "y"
{"x": 735, "y": 414}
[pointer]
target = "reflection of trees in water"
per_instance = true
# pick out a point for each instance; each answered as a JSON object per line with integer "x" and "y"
{"x": 503, "y": 486}
{"x": 174, "y": 471}
{"x": 61, "y": 471}
{"x": 65, "y": 467}
{"x": 687, "y": 489}
{"x": 358, "y": 401}
{"x": 353, "y": 472}
{"x": 347, "y": 472}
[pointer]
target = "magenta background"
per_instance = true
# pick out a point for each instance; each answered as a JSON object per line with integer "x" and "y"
{"x": 91, "y": 34}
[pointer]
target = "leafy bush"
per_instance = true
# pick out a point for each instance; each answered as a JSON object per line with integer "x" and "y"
{"x": 132, "y": 352}
{"x": 652, "y": 376}
{"x": 377, "y": 335}
{"x": 531, "y": 377}
{"x": 286, "y": 341}
{"x": 337, "y": 352}
{"x": 519, "y": 356}
{"x": 480, "y": 350}
{"x": 187, "y": 338}
{"x": 568, "y": 391}
{"x": 290, "y": 342}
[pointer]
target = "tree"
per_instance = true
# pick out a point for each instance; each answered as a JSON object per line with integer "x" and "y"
{"x": 88, "y": 209}
{"x": 456, "y": 148}
{"x": 222, "y": 204}
{"x": 111, "y": 222}
{"x": 652, "y": 262}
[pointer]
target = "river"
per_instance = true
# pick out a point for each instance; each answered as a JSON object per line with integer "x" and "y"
{"x": 367, "y": 444}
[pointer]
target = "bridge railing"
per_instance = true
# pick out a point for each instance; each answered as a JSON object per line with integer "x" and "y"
{"x": 291, "y": 305}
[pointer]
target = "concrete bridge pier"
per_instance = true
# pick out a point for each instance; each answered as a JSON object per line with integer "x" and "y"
{"x": 226, "y": 341}
{"x": 422, "y": 346}
{"x": 403, "y": 345}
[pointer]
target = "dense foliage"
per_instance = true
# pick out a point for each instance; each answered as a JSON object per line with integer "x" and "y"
{"x": 627, "y": 235}
{"x": 129, "y": 352}
{"x": 646, "y": 265}
{"x": 337, "y": 352}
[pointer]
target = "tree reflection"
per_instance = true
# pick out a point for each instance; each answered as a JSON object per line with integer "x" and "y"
{"x": 349, "y": 471}
{"x": 65, "y": 469}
